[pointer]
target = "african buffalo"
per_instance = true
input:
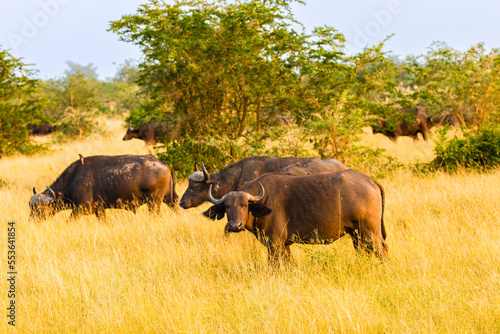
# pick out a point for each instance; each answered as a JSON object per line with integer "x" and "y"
{"x": 318, "y": 167}
{"x": 150, "y": 132}
{"x": 233, "y": 176}
{"x": 42, "y": 129}
{"x": 313, "y": 209}
{"x": 93, "y": 184}
{"x": 451, "y": 119}
{"x": 420, "y": 124}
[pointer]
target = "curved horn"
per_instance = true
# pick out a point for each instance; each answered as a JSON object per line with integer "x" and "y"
{"x": 205, "y": 173}
{"x": 34, "y": 191}
{"x": 252, "y": 198}
{"x": 196, "y": 169}
{"x": 52, "y": 191}
{"x": 213, "y": 200}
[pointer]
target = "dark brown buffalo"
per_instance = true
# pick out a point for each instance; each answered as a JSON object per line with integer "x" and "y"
{"x": 150, "y": 132}
{"x": 318, "y": 167}
{"x": 233, "y": 176}
{"x": 93, "y": 184}
{"x": 313, "y": 209}
{"x": 420, "y": 124}
{"x": 450, "y": 119}
{"x": 42, "y": 129}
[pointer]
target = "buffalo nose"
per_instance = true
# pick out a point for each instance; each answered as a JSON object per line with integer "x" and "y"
{"x": 234, "y": 227}
{"x": 182, "y": 204}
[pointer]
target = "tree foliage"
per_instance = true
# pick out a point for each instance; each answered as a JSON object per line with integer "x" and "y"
{"x": 466, "y": 84}
{"x": 20, "y": 104}
{"x": 74, "y": 102}
{"x": 228, "y": 69}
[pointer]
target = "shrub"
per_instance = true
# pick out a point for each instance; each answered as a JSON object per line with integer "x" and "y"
{"x": 214, "y": 152}
{"x": 477, "y": 152}
{"x": 373, "y": 162}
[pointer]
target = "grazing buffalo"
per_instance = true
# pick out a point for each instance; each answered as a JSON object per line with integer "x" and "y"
{"x": 420, "y": 124}
{"x": 42, "y": 129}
{"x": 450, "y": 119}
{"x": 150, "y": 132}
{"x": 312, "y": 209}
{"x": 233, "y": 176}
{"x": 93, "y": 184}
{"x": 318, "y": 167}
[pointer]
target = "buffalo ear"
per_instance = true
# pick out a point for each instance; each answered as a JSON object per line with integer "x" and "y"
{"x": 216, "y": 212}
{"x": 259, "y": 209}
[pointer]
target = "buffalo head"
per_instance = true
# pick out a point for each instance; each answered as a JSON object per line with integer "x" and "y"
{"x": 131, "y": 134}
{"x": 196, "y": 193}
{"x": 237, "y": 205}
{"x": 42, "y": 205}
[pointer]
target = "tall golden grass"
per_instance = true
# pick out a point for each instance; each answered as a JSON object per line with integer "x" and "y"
{"x": 178, "y": 273}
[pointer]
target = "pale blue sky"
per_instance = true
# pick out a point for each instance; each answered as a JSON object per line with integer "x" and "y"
{"x": 47, "y": 33}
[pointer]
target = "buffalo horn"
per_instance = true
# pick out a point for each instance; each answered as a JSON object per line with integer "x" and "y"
{"x": 252, "y": 198}
{"x": 196, "y": 169}
{"x": 205, "y": 173}
{"x": 34, "y": 191}
{"x": 52, "y": 191}
{"x": 212, "y": 199}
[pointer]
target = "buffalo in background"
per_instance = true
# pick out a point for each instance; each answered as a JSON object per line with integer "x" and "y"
{"x": 233, "y": 176}
{"x": 310, "y": 209}
{"x": 151, "y": 132}
{"x": 42, "y": 129}
{"x": 93, "y": 184}
{"x": 421, "y": 124}
{"x": 451, "y": 119}
{"x": 45, "y": 126}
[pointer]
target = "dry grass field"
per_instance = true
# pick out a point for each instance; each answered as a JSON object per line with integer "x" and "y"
{"x": 178, "y": 273}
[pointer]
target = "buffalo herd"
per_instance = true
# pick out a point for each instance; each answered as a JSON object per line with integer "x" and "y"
{"x": 280, "y": 200}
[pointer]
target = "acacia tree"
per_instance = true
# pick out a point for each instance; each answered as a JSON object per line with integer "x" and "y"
{"x": 214, "y": 63}
{"x": 227, "y": 68}
{"x": 19, "y": 105}
{"x": 74, "y": 99}
{"x": 466, "y": 84}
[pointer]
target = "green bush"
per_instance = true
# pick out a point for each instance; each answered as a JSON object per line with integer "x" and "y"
{"x": 143, "y": 114}
{"x": 476, "y": 152}
{"x": 214, "y": 152}
{"x": 373, "y": 162}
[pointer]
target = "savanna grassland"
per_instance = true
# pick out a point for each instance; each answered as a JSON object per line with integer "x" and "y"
{"x": 178, "y": 273}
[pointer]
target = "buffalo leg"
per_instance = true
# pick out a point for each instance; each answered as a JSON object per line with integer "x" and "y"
{"x": 355, "y": 238}
{"x": 100, "y": 214}
{"x": 371, "y": 241}
{"x": 75, "y": 214}
{"x": 278, "y": 253}
{"x": 154, "y": 205}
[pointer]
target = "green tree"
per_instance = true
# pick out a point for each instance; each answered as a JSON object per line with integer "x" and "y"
{"x": 466, "y": 84}
{"x": 227, "y": 69}
{"x": 213, "y": 63}
{"x": 75, "y": 102}
{"x": 19, "y": 105}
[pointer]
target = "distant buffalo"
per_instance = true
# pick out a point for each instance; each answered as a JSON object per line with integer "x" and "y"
{"x": 42, "y": 129}
{"x": 308, "y": 209}
{"x": 151, "y": 132}
{"x": 318, "y": 167}
{"x": 233, "y": 176}
{"x": 452, "y": 120}
{"x": 93, "y": 184}
{"x": 420, "y": 124}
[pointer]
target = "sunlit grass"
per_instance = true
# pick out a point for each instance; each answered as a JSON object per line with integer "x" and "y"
{"x": 178, "y": 273}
